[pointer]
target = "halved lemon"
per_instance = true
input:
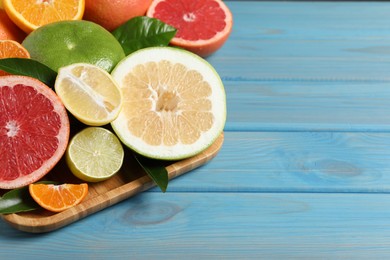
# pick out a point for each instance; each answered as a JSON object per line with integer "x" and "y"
{"x": 174, "y": 103}
{"x": 89, "y": 93}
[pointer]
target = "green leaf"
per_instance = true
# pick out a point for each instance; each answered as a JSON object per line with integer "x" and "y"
{"x": 17, "y": 200}
{"x": 29, "y": 67}
{"x": 141, "y": 32}
{"x": 156, "y": 171}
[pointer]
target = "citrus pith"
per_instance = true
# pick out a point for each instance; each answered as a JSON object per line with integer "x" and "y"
{"x": 174, "y": 103}
{"x": 34, "y": 130}
{"x": 202, "y": 26}
{"x": 31, "y": 14}
{"x": 94, "y": 154}
{"x": 89, "y": 93}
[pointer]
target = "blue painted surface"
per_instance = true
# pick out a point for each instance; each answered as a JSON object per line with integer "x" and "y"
{"x": 305, "y": 168}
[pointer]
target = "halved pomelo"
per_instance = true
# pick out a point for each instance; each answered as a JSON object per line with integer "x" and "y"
{"x": 203, "y": 26}
{"x": 34, "y": 130}
{"x": 174, "y": 103}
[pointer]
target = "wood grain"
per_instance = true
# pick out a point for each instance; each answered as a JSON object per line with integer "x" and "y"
{"x": 129, "y": 181}
{"x": 304, "y": 170}
{"x": 308, "y": 106}
{"x": 315, "y": 162}
{"x": 219, "y": 225}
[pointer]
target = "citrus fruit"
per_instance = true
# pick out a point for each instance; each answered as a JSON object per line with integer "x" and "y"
{"x": 202, "y": 26}
{"x": 94, "y": 154}
{"x": 34, "y": 130}
{"x": 57, "y": 198}
{"x": 31, "y": 14}
{"x": 8, "y": 30}
{"x": 89, "y": 93}
{"x": 11, "y": 49}
{"x": 174, "y": 103}
{"x": 111, "y": 14}
{"x": 67, "y": 42}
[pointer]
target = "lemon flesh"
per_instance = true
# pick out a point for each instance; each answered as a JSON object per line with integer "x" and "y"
{"x": 89, "y": 93}
{"x": 94, "y": 154}
{"x": 174, "y": 103}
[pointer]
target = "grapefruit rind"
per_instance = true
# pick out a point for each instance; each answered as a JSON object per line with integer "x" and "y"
{"x": 63, "y": 135}
{"x": 201, "y": 47}
{"x": 192, "y": 62}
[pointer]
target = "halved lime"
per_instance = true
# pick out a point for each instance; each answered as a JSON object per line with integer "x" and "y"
{"x": 94, "y": 154}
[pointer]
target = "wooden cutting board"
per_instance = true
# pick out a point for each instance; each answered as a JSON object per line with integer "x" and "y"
{"x": 128, "y": 182}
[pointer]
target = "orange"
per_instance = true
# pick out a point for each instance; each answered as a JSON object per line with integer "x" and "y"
{"x": 203, "y": 26}
{"x": 34, "y": 130}
{"x": 111, "y": 14}
{"x": 58, "y": 198}
{"x": 31, "y": 14}
{"x": 11, "y": 49}
{"x": 8, "y": 30}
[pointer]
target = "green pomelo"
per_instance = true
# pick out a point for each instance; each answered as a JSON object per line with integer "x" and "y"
{"x": 63, "y": 43}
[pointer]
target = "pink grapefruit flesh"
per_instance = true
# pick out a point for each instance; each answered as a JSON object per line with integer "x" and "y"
{"x": 203, "y": 26}
{"x": 34, "y": 130}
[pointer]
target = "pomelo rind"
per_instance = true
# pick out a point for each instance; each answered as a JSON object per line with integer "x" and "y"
{"x": 193, "y": 62}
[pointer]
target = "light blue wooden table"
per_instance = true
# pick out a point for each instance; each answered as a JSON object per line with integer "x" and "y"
{"x": 305, "y": 168}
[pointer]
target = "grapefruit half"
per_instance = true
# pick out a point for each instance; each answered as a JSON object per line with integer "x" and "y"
{"x": 202, "y": 26}
{"x": 34, "y": 130}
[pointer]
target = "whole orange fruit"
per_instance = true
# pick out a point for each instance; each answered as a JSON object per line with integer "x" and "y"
{"x": 111, "y": 14}
{"x": 8, "y": 30}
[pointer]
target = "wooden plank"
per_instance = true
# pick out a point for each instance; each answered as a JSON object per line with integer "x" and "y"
{"x": 220, "y": 226}
{"x": 307, "y": 41}
{"x": 307, "y": 106}
{"x": 130, "y": 181}
{"x": 321, "y": 162}
{"x": 304, "y": 66}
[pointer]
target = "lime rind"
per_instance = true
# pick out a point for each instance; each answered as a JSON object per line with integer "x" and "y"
{"x": 95, "y": 142}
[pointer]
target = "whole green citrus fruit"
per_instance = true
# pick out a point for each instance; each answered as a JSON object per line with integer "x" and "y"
{"x": 63, "y": 43}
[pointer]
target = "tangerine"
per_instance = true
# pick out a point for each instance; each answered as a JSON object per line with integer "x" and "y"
{"x": 8, "y": 30}
{"x": 11, "y": 49}
{"x": 57, "y": 198}
{"x": 111, "y": 14}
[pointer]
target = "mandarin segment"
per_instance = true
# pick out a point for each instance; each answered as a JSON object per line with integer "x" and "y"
{"x": 57, "y": 198}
